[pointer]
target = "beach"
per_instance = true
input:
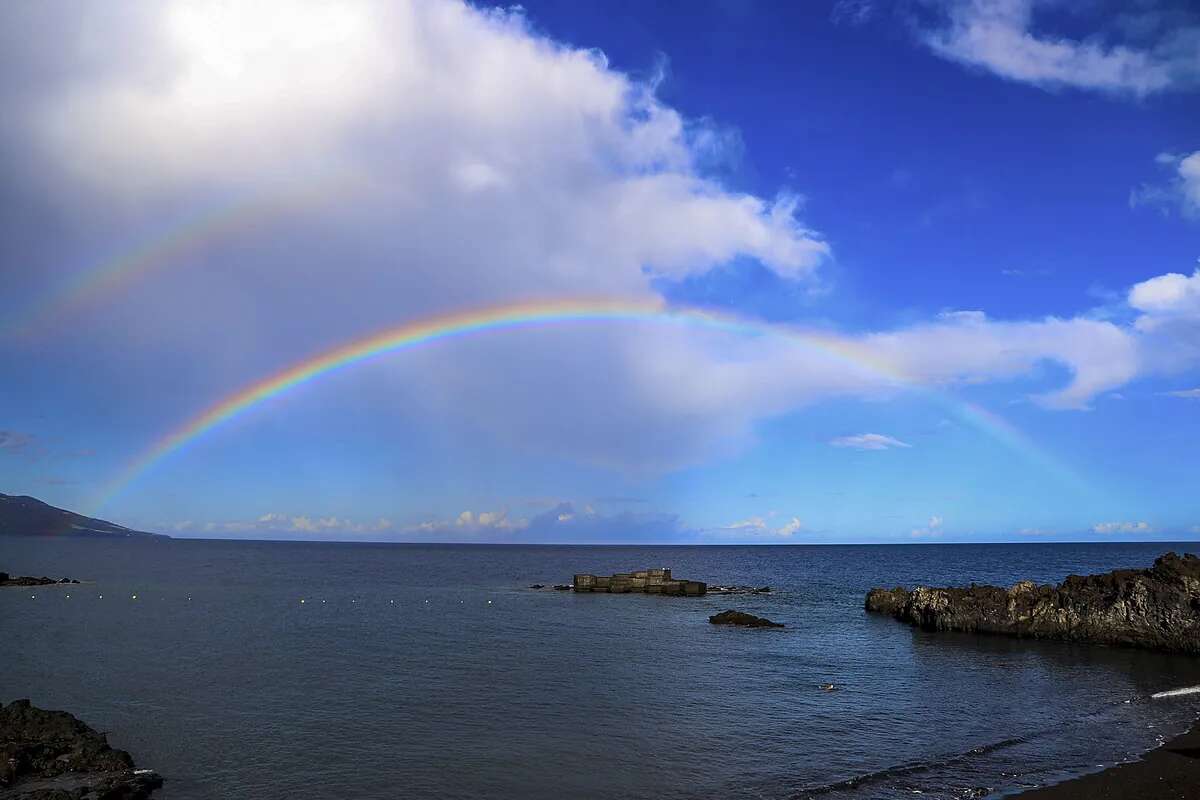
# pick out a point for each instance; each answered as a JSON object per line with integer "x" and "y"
{"x": 1170, "y": 772}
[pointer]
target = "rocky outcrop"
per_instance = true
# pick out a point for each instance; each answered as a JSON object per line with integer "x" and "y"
{"x": 28, "y": 580}
{"x": 648, "y": 581}
{"x": 50, "y": 755}
{"x": 743, "y": 619}
{"x": 1156, "y": 608}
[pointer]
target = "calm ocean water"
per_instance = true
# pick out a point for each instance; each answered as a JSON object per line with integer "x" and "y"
{"x": 422, "y": 671}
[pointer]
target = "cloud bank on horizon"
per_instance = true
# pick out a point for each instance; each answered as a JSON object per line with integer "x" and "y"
{"x": 467, "y": 158}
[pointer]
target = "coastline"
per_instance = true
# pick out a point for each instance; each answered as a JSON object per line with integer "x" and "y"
{"x": 1168, "y": 772}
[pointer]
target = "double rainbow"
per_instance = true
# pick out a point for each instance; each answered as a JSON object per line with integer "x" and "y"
{"x": 494, "y": 319}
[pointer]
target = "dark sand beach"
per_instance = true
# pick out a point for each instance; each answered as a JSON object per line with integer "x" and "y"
{"x": 1170, "y": 772}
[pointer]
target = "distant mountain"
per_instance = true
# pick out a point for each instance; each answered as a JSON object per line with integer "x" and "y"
{"x": 28, "y": 516}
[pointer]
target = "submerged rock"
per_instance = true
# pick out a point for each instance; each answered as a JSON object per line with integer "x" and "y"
{"x": 48, "y": 755}
{"x": 1156, "y": 608}
{"x": 742, "y": 618}
{"x": 562, "y": 587}
{"x": 537, "y": 586}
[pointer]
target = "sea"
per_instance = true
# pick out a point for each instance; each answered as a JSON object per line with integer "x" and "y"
{"x": 339, "y": 670}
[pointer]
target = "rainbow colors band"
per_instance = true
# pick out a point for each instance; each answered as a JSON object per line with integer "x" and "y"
{"x": 500, "y": 317}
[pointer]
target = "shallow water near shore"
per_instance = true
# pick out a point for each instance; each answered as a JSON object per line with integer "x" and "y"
{"x": 432, "y": 671}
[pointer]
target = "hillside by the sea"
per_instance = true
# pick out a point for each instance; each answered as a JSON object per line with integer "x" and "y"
{"x": 21, "y": 515}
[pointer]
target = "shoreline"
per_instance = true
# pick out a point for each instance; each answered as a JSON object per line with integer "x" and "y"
{"x": 1170, "y": 771}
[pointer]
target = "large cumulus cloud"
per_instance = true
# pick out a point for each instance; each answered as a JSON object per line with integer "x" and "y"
{"x": 403, "y": 159}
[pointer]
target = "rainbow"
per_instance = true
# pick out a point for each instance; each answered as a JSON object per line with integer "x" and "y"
{"x": 498, "y": 318}
{"x": 183, "y": 241}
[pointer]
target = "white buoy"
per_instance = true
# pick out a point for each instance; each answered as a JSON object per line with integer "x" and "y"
{"x": 135, "y": 597}
{"x": 301, "y": 599}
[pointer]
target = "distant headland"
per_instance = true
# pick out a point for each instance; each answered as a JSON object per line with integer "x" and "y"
{"x": 21, "y": 515}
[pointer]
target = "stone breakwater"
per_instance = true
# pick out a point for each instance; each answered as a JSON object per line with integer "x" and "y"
{"x": 51, "y": 755}
{"x": 648, "y": 581}
{"x": 1155, "y": 609}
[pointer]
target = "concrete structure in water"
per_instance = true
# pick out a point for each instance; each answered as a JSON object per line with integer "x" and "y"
{"x": 648, "y": 581}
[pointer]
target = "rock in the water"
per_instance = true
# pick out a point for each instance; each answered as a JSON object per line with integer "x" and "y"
{"x": 51, "y": 755}
{"x": 29, "y": 580}
{"x": 537, "y": 586}
{"x": 1156, "y": 608}
{"x": 739, "y": 589}
{"x": 743, "y": 619}
{"x": 562, "y": 587}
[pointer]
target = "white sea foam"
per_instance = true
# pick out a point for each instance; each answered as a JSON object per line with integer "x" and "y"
{"x": 1177, "y": 692}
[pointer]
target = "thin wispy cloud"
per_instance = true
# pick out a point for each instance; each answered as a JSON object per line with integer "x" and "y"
{"x": 934, "y": 527}
{"x": 1003, "y": 37}
{"x": 15, "y": 441}
{"x": 1122, "y": 527}
{"x": 868, "y": 441}
{"x": 1181, "y": 192}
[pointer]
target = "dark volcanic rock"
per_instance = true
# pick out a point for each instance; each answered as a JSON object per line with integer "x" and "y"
{"x": 50, "y": 755}
{"x": 743, "y": 619}
{"x": 29, "y": 580}
{"x": 1156, "y": 608}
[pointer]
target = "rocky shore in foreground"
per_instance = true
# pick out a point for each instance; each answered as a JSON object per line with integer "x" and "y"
{"x": 1155, "y": 609}
{"x": 51, "y": 755}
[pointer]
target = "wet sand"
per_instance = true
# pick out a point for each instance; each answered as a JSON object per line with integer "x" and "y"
{"x": 1170, "y": 772}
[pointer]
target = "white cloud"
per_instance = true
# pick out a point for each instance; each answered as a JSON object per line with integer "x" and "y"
{"x": 1181, "y": 192}
{"x": 1122, "y": 527}
{"x": 278, "y": 523}
{"x": 1187, "y": 394}
{"x": 468, "y": 521}
{"x": 932, "y": 528}
{"x": 380, "y": 96}
{"x": 868, "y": 441}
{"x": 1000, "y": 36}
{"x": 757, "y": 527}
{"x": 1099, "y": 354}
{"x": 1167, "y": 296}
{"x": 753, "y": 523}
{"x": 792, "y": 527}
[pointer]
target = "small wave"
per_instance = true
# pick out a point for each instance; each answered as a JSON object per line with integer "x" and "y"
{"x": 1176, "y": 692}
{"x": 910, "y": 768}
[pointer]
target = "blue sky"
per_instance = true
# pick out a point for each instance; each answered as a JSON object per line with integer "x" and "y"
{"x": 992, "y": 205}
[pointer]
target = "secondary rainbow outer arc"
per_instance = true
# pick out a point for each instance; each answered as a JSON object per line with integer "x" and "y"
{"x": 174, "y": 246}
{"x": 495, "y": 318}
